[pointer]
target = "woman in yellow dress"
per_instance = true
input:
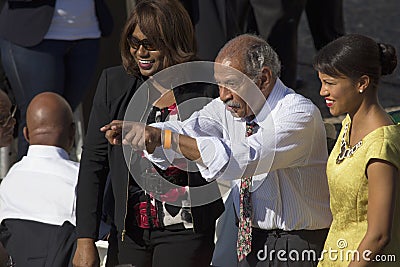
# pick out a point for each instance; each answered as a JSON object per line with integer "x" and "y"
{"x": 363, "y": 167}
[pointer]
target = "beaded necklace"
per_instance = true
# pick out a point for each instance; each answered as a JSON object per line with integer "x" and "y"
{"x": 345, "y": 150}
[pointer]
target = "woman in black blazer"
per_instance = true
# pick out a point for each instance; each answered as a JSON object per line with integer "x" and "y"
{"x": 51, "y": 45}
{"x": 149, "y": 232}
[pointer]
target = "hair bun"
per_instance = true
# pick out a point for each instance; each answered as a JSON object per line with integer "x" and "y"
{"x": 388, "y": 58}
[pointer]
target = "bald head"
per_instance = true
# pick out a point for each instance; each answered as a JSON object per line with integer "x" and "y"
{"x": 49, "y": 121}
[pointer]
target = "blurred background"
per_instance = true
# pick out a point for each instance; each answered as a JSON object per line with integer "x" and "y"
{"x": 377, "y": 19}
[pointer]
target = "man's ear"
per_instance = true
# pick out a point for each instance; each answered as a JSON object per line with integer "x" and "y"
{"x": 71, "y": 136}
{"x": 73, "y": 131}
{"x": 26, "y": 134}
{"x": 266, "y": 75}
{"x": 266, "y": 81}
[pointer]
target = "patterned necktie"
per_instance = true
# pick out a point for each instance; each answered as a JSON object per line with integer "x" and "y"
{"x": 244, "y": 234}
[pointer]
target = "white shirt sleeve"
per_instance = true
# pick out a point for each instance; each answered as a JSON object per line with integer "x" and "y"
{"x": 202, "y": 123}
{"x": 282, "y": 142}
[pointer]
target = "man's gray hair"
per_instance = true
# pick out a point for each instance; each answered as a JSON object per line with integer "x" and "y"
{"x": 255, "y": 52}
{"x": 261, "y": 54}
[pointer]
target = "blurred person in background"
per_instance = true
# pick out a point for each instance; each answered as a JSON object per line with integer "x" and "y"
{"x": 51, "y": 45}
{"x": 277, "y": 21}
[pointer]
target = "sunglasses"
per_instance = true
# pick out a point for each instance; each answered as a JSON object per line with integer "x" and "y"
{"x": 4, "y": 120}
{"x": 135, "y": 43}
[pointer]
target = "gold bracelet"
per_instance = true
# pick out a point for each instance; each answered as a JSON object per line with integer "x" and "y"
{"x": 167, "y": 139}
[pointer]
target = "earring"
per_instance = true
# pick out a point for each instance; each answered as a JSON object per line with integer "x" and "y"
{"x": 360, "y": 91}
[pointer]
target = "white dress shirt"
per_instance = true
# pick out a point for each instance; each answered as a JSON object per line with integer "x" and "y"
{"x": 40, "y": 187}
{"x": 286, "y": 156}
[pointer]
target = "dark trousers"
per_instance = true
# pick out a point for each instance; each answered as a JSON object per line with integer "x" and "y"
{"x": 325, "y": 19}
{"x": 275, "y": 248}
{"x": 35, "y": 244}
{"x": 63, "y": 67}
{"x": 277, "y": 21}
{"x": 283, "y": 38}
{"x": 173, "y": 246}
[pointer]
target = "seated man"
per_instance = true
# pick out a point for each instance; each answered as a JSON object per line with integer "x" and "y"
{"x": 266, "y": 135}
{"x": 37, "y": 196}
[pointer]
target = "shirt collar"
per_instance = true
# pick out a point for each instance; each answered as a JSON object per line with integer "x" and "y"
{"x": 47, "y": 152}
{"x": 277, "y": 93}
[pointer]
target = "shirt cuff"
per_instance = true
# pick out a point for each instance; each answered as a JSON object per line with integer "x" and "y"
{"x": 161, "y": 157}
{"x": 214, "y": 161}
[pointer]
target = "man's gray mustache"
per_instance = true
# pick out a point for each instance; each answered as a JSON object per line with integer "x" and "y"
{"x": 233, "y": 104}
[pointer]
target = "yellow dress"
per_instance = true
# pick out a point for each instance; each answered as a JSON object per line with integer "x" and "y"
{"x": 348, "y": 187}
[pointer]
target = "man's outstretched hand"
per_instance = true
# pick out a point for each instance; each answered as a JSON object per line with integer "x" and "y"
{"x": 136, "y": 134}
{"x": 113, "y": 132}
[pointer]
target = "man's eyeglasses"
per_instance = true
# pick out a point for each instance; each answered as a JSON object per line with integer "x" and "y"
{"x": 4, "y": 120}
{"x": 135, "y": 43}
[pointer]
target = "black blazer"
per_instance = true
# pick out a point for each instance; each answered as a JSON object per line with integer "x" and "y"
{"x": 100, "y": 160}
{"x": 25, "y": 22}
